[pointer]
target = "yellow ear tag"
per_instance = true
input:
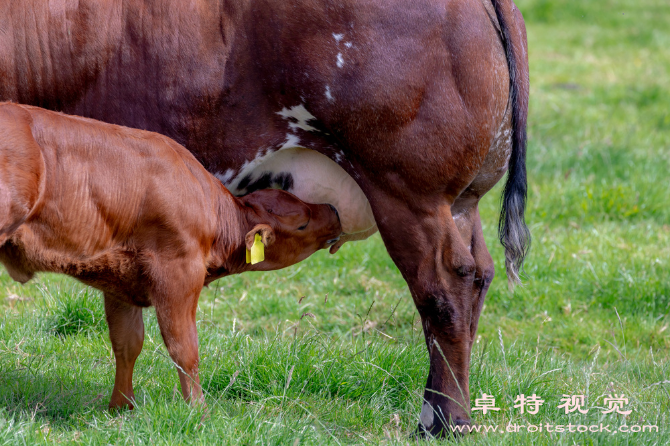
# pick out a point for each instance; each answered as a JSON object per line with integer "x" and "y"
{"x": 257, "y": 250}
{"x": 248, "y": 256}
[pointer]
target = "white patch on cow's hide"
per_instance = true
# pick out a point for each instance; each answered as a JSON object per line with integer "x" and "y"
{"x": 291, "y": 141}
{"x": 225, "y": 177}
{"x": 338, "y": 37}
{"x": 340, "y": 60}
{"x": 427, "y": 415}
{"x": 316, "y": 179}
{"x": 247, "y": 168}
{"x": 348, "y": 44}
{"x": 301, "y": 116}
{"x": 329, "y": 95}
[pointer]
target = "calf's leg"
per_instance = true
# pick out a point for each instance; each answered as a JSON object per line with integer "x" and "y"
{"x": 176, "y": 314}
{"x": 126, "y": 331}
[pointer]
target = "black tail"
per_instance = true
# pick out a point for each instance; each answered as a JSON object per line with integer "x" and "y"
{"x": 512, "y": 230}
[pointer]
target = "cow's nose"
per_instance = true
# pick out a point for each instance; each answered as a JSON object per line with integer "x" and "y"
{"x": 333, "y": 240}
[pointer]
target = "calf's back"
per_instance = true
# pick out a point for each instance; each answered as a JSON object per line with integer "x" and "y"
{"x": 96, "y": 201}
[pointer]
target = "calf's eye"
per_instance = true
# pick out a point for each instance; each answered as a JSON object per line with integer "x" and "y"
{"x": 302, "y": 227}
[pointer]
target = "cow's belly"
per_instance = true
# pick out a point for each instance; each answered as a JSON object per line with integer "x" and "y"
{"x": 312, "y": 177}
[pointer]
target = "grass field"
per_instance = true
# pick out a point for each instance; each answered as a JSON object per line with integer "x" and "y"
{"x": 592, "y": 318}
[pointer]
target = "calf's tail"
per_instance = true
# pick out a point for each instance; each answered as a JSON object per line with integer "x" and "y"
{"x": 512, "y": 230}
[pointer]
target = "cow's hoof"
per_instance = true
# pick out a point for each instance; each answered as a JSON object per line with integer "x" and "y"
{"x": 439, "y": 430}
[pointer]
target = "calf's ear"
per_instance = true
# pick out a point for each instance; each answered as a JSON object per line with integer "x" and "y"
{"x": 266, "y": 232}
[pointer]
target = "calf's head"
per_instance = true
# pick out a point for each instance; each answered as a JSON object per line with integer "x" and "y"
{"x": 290, "y": 229}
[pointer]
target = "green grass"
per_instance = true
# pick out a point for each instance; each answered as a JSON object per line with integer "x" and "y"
{"x": 592, "y": 318}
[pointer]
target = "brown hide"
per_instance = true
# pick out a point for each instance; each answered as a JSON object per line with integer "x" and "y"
{"x": 133, "y": 214}
{"x": 422, "y": 102}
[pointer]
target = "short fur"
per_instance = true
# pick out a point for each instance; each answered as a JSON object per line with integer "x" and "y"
{"x": 411, "y": 98}
{"x": 132, "y": 213}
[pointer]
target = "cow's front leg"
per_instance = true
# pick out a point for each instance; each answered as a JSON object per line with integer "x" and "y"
{"x": 176, "y": 309}
{"x": 126, "y": 331}
{"x": 428, "y": 248}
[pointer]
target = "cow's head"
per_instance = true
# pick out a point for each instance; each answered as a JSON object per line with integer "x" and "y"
{"x": 290, "y": 229}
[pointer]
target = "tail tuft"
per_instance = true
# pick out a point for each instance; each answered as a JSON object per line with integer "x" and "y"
{"x": 512, "y": 230}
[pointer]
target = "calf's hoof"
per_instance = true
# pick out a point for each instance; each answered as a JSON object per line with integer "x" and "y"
{"x": 119, "y": 404}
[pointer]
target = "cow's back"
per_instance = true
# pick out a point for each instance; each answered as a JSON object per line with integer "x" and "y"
{"x": 51, "y": 52}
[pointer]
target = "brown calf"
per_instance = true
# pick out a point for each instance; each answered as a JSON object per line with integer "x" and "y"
{"x": 133, "y": 214}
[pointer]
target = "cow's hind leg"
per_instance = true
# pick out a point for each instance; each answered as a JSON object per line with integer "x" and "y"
{"x": 445, "y": 274}
{"x": 433, "y": 417}
{"x": 468, "y": 222}
{"x": 126, "y": 331}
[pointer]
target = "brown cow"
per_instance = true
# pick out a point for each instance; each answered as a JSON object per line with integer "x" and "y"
{"x": 423, "y": 103}
{"x": 133, "y": 214}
